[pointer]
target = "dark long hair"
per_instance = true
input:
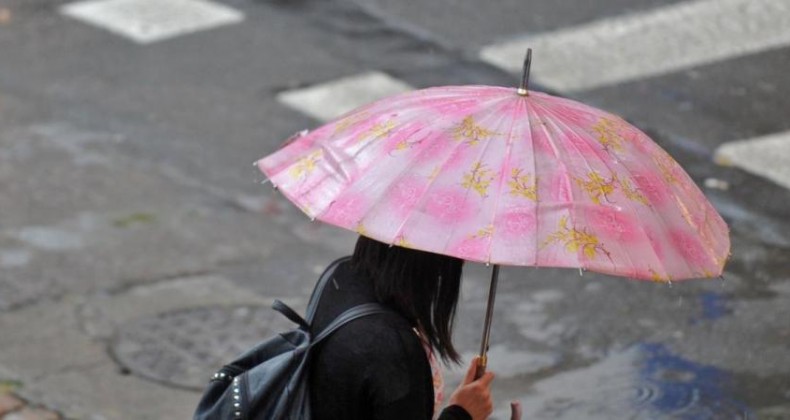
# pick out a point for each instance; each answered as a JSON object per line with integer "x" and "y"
{"x": 421, "y": 286}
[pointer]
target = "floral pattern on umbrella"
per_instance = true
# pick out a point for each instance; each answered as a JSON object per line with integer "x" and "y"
{"x": 486, "y": 174}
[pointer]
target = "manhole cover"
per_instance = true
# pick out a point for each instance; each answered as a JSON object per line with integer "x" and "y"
{"x": 185, "y": 347}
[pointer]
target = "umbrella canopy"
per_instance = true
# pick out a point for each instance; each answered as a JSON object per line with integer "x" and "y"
{"x": 495, "y": 175}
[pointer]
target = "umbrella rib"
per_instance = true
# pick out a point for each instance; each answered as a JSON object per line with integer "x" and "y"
{"x": 502, "y": 175}
{"x": 551, "y": 137}
{"x": 444, "y": 121}
{"x": 406, "y": 98}
{"x": 631, "y": 206}
{"x": 572, "y": 129}
{"x": 320, "y": 143}
{"x": 403, "y": 172}
{"x": 537, "y": 184}
{"x": 369, "y": 167}
{"x": 377, "y": 201}
{"x": 479, "y": 158}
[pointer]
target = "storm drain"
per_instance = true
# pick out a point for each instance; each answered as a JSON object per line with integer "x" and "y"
{"x": 183, "y": 348}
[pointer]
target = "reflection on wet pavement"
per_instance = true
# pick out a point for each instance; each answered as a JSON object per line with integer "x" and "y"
{"x": 646, "y": 381}
{"x": 678, "y": 388}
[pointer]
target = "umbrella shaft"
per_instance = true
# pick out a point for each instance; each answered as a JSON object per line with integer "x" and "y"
{"x": 522, "y": 89}
{"x": 481, "y": 366}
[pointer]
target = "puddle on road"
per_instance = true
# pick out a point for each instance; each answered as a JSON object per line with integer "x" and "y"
{"x": 671, "y": 385}
{"x": 646, "y": 381}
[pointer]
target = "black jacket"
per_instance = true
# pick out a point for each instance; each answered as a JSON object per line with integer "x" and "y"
{"x": 372, "y": 368}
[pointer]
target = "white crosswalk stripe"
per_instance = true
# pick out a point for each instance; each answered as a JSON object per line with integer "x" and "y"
{"x": 767, "y": 156}
{"x": 640, "y": 45}
{"x": 148, "y": 21}
{"x": 332, "y": 99}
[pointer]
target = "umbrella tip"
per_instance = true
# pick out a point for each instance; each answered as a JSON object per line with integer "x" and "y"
{"x": 522, "y": 89}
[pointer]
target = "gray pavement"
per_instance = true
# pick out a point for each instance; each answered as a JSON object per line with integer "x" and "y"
{"x": 138, "y": 250}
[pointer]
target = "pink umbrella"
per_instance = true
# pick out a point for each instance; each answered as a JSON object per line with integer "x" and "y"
{"x": 505, "y": 176}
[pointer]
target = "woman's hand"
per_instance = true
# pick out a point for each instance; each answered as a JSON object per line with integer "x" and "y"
{"x": 473, "y": 395}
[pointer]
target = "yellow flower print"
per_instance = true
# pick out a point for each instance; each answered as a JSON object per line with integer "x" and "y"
{"x": 522, "y": 185}
{"x": 435, "y": 172}
{"x": 479, "y": 179}
{"x": 307, "y": 210}
{"x": 630, "y": 192}
{"x": 606, "y": 131}
{"x": 401, "y": 241}
{"x": 306, "y": 165}
{"x": 485, "y": 232}
{"x": 470, "y": 132}
{"x": 597, "y": 186}
{"x": 658, "y": 278}
{"x": 720, "y": 261}
{"x": 406, "y": 144}
{"x": 360, "y": 229}
{"x": 349, "y": 121}
{"x": 666, "y": 165}
{"x": 402, "y": 145}
{"x": 575, "y": 239}
{"x": 377, "y": 131}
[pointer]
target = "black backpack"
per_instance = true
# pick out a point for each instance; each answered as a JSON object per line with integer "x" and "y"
{"x": 270, "y": 380}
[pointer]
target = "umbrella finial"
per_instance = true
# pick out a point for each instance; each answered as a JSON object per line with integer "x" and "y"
{"x": 522, "y": 89}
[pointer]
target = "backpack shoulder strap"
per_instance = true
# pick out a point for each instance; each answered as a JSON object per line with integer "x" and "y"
{"x": 319, "y": 288}
{"x": 349, "y": 315}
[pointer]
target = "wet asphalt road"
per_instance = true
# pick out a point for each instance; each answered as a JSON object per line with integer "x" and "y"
{"x": 199, "y": 109}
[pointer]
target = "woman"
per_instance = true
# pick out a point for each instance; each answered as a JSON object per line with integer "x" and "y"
{"x": 383, "y": 366}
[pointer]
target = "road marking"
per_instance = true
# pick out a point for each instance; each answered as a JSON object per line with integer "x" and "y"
{"x": 148, "y": 21}
{"x": 330, "y": 100}
{"x": 766, "y": 156}
{"x": 651, "y": 43}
